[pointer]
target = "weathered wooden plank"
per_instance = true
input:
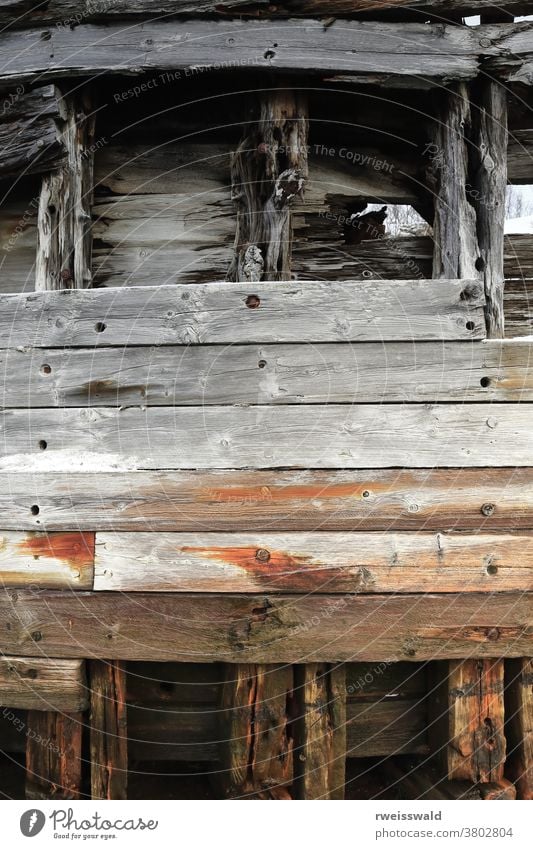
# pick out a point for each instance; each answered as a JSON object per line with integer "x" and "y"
{"x": 265, "y": 629}
{"x": 321, "y": 436}
{"x": 320, "y": 731}
{"x": 519, "y": 727}
{"x": 238, "y": 312}
{"x": 43, "y": 684}
{"x": 21, "y": 13}
{"x": 108, "y": 730}
{"x": 54, "y": 755}
{"x": 388, "y": 727}
{"x": 30, "y": 140}
{"x": 55, "y": 561}
{"x": 269, "y": 374}
{"x": 314, "y": 562}
{"x": 364, "y": 48}
{"x": 18, "y": 240}
{"x": 397, "y": 499}
{"x": 469, "y": 705}
{"x": 255, "y": 745}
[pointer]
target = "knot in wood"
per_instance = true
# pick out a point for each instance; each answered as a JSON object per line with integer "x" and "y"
{"x": 262, "y": 555}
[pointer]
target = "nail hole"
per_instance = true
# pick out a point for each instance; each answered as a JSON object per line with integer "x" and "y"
{"x": 366, "y": 494}
{"x": 262, "y": 363}
{"x": 480, "y": 264}
{"x": 34, "y": 510}
{"x": 253, "y": 301}
{"x": 43, "y": 444}
{"x": 46, "y": 369}
{"x": 100, "y": 326}
{"x": 470, "y": 325}
{"x": 492, "y": 569}
{"x": 484, "y": 382}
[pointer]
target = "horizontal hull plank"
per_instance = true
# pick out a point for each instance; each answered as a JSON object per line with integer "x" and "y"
{"x": 265, "y": 629}
{"x": 43, "y": 684}
{"x": 266, "y": 437}
{"x": 269, "y": 374}
{"x": 51, "y": 561}
{"x": 306, "y": 500}
{"x": 314, "y": 562}
{"x": 236, "y": 312}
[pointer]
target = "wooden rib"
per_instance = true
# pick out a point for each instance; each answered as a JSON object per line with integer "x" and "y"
{"x": 268, "y": 374}
{"x": 320, "y": 731}
{"x": 314, "y": 562}
{"x": 519, "y": 714}
{"x": 322, "y": 436}
{"x": 397, "y": 499}
{"x": 265, "y": 629}
{"x": 43, "y": 684}
{"x": 53, "y": 755}
{"x": 108, "y": 730}
{"x": 263, "y": 312}
{"x": 50, "y": 561}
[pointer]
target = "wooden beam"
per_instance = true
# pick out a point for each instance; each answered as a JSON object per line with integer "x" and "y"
{"x": 64, "y": 217}
{"x": 262, "y": 437}
{"x": 30, "y": 139}
{"x": 469, "y": 704}
{"x": 314, "y": 562}
{"x": 519, "y": 728}
{"x": 53, "y": 755}
{"x": 50, "y": 561}
{"x": 256, "y": 748}
{"x": 43, "y": 684}
{"x": 298, "y": 500}
{"x": 370, "y": 50}
{"x": 490, "y": 184}
{"x": 237, "y": 312}
{"x": 320, "y": 731}
{"x": 265, "y": 629}
{"x": 108, "y": 730}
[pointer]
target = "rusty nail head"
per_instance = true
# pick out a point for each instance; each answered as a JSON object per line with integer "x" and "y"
{"x": 488, "y": 509}
{"x": 262, "y": 555}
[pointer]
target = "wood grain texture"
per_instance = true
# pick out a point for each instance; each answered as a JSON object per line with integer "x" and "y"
{"x": 237, "y": 312}
{"x": 306, "y": 500}
{"x": 322, "y": 436}
{"x": 314, "y": 562}
{"x": 265, "y": 629}
{"x": 30, "y": 140}
{"x": 55, "y": 561}
{"x": 408, "y": 50}
{"x": 108, "y": 730}
{"x": 53, "y": 755}
{"x": 519, "y": 727}
{"x": 268, "y": 374}
{"x": 43, "y": 684}
{"x": 387, "y": 727}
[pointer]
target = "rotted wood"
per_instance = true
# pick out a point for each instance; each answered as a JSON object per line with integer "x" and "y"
{"x": 469, "y": 710}
{"x": 64, "y": 217}
{"x": 53, "y": 755}
{"x": 519, "y": 715}
{"x": 320, "y": 731}
{"x": 51, "y": 561}
{"x": 30, "y": 139}
{"x": 108, "y": 730}
{"x": 269, "y": 171}
{"x": 314, "y": 562}
{"x": 43, "y": 684}
{"x": 256, "y": 746}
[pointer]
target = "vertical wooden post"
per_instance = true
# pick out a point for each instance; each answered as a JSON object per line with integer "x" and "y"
{"x": 320, "y": 731}
{"x": 108, "y": 730}
{"x": 519, "y": 714}
{"x": 269, "y": 171}
{"x": 53, "y": 755}
{"x": 256, "y": 744}
{"x": 64, "y": 216}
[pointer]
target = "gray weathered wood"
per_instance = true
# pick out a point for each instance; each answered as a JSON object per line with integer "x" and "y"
{"x": 230, "y": 313}
{"x": 54, "y": 561}
{"x": 266, "y": 628}
{"x": 408, "y": 50}
{"x": 314, "y": 562}
{"x": 268, "y": 374}
{"x": 322, "y": 436}
{"x": 30, "y": 140}
{"x": 408, "y": 499}
{"x": 43, "y": 684}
